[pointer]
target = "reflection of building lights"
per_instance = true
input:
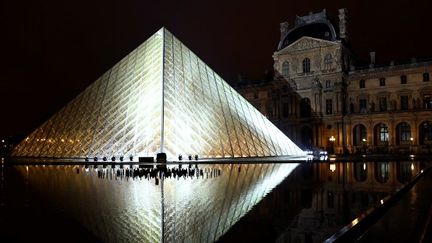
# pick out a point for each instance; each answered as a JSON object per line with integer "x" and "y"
{"x": 332, "y": 167}
{"x": 421, "y": 171}
{"x": 412, "y": 166}
{"x": 364, "y": 166}
{"x": 332, "y": 138}
{"x": 3, "y": 140}
{"x": 382, "y": 201}
{"x": 364, "y": 140}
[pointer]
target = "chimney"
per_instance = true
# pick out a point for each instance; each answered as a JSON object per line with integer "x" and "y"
{"x": 372, "y": 59}
{"x": 343, "y": 23}
{"x": 283, "y": 28}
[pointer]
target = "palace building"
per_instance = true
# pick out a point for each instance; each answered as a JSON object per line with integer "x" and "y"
{"x": 321, "y": 97}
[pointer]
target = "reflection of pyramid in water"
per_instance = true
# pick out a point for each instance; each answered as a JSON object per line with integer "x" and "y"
{"x": 161, "y": 97}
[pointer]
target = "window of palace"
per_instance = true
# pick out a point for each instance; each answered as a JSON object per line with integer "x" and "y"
{"x": 404, "y": 132}
{"x": 328, "y": 84}
{"x": 362, "y": 84}
{"x": 363, "y": 105}
{"x": 382, "y": 81}
{"x": 329, "y": 106}
{"x": 427, "y": 101}
{"x": 404, "y": 102}
{"x": 403, "y": 79}
{"x": 306, "y": 65}
{"x": 425, "y": 76}
{"x": 328, "y": 61}
{"x": 305, "y": 107}
{"x": 383, "y": 104}
{"x": 383, "y": 133}
{"x": 425, "y": 132}
{"x": 285, "y": 68}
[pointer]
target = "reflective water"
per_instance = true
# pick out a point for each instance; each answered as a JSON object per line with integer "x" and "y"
{"x": 280, "y": 202}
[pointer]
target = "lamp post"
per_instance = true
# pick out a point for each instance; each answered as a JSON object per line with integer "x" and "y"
{"x": 411, "y": 145}
{"x": 332, "y": 139}
{"x": 364, "y": 141}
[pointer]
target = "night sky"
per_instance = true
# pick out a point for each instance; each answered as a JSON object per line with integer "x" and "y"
{"x": 51, "y": 50}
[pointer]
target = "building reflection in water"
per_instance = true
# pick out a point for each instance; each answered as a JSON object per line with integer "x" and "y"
{"x": 345, "y": 191}
{"x": 193, "y": 204}
{"x": 225, "y": 202}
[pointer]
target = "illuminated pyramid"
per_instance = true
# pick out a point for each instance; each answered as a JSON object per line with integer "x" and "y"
{"x": 159, "y": 98}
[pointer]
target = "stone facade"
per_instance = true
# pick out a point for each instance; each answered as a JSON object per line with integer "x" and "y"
{"x": 319, "y": 98}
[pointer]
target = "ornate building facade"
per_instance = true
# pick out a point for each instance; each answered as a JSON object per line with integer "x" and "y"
{"x": 320, "y": 97}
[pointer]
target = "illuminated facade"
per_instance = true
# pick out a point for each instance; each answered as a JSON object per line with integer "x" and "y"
{"x": 159, "y": 98}
{"x": 322, "y": 97}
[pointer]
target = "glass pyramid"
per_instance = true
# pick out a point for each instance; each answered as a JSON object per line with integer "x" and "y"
{"x": 159, "y": 98}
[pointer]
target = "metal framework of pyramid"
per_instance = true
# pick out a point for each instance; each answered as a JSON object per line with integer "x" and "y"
{"x": 159, "y": 98}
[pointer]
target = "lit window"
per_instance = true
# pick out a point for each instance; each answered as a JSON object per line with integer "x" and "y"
{"x": 383, "y": 133}
{"x": 425, "y": 76}
{"x": 285, "y": 68}
{"x": 427, "y": 101}
{"x": 362, "y": 84}
{"x": 382, "y": 81}
{"x": 306, "y": 65}
{"x": 403, "y": 79}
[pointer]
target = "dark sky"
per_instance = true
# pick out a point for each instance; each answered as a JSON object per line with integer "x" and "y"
{"x": 51, "y": 50}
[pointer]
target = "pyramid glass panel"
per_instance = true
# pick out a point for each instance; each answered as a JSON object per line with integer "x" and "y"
{"x": 159, "y": 98}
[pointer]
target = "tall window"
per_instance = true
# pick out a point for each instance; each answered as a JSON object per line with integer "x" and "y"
{"x": 404, "y": 102}
{"x": 305, "y": 107}
{"x": 285, "y": 68}
{"x": 404, "y": 131}
{"x": 327, "y": 61}
{"x": 425, "y": 76}
{"x": 362, "y": 84}
{"x": 363, "y": 105}
{"x": 329, "y": 106}
{"x": 383, "y": 104}
{"x": 383, "y": 133}
{"x": 306, "y": 65}
{"x": 425, "y": 132}
{"x": 427, "y": 101}
{"x": 403, "y": 79}
{"x": 382, "y": 81}
{"x": 328, "y": 84}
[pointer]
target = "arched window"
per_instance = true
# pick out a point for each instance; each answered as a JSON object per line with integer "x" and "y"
{"x": 425, "y": 133}
{"x": 328, "y": 61}
{"x": 381, "y": 135}
{"x": 285, "y": 68}
{"x": 359, "y": 135}
{"x": 403, "y": 133}
{"x": 306, "y": 65}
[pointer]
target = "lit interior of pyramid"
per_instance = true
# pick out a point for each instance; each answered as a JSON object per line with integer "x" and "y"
{"x": 159, "y": 98}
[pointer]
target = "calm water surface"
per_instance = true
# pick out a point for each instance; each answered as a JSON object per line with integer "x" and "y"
{"x": 280, "y": 202}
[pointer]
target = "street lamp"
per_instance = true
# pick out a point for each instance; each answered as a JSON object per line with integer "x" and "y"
{"x": 364, "y": 145}
{"x": 331, "y": 139}
{"x": 411, "y": 145}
